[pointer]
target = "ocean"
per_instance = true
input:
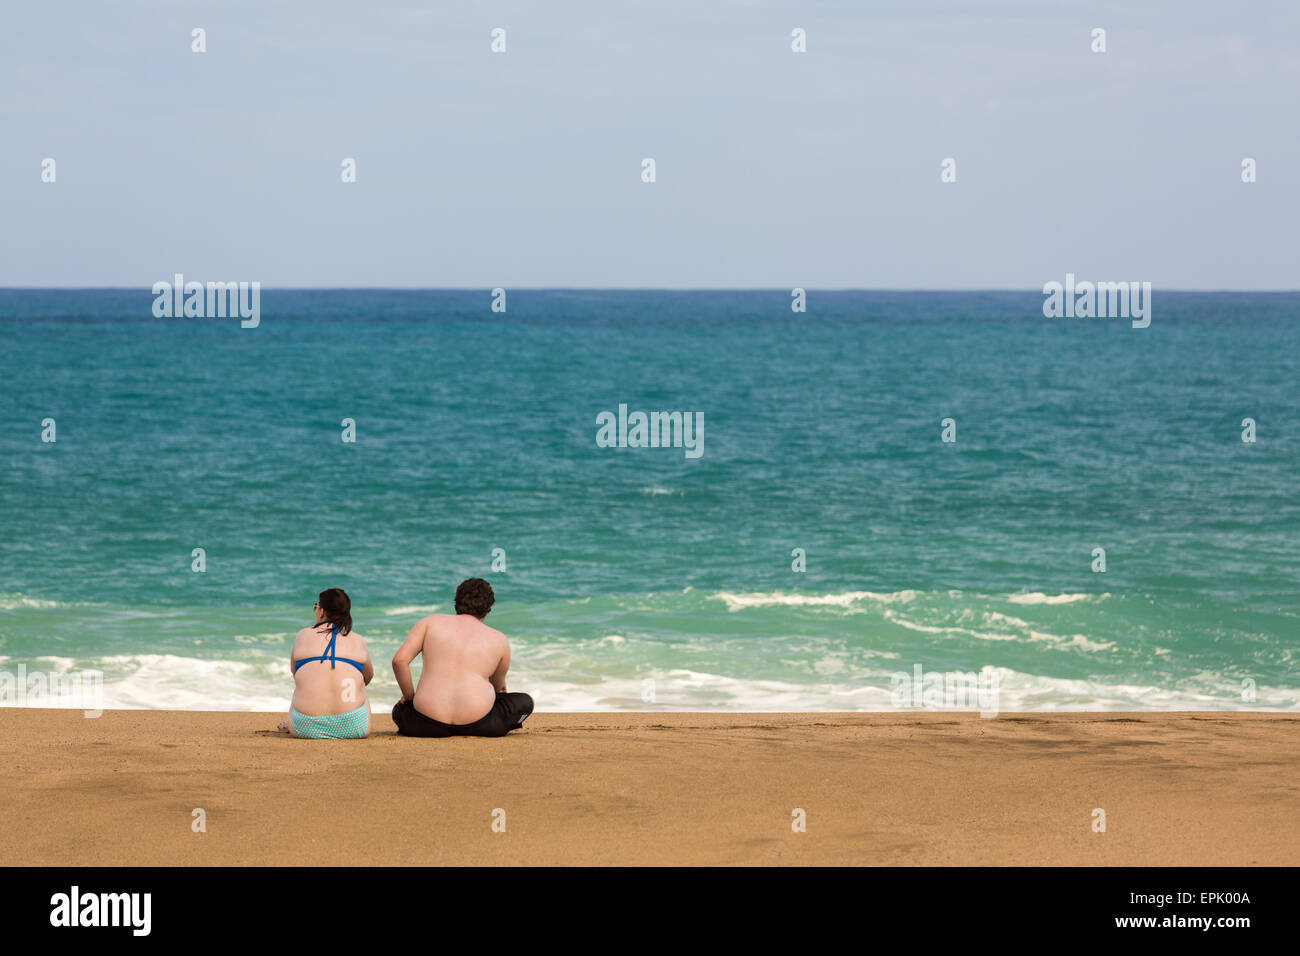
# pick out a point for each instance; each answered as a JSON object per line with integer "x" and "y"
{"x": 644, "y": 578}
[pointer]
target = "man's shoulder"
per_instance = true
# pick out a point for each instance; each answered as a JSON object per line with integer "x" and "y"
{"x": 435, "y": 621}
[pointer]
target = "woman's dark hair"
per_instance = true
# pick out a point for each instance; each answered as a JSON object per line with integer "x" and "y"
{"x": 337, "y": 607}
{"x": 474, "y": 596}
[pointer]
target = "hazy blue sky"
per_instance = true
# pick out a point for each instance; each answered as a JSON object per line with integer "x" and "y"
{"x": 775, "y": 169}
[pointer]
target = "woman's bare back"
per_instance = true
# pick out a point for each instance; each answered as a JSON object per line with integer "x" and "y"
{"x": 319, "y": 689}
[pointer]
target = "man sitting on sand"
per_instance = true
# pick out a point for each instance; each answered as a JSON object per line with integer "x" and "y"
{"x": 462, "y": 690}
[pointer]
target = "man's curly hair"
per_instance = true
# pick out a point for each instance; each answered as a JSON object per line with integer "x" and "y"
{"x": 474, "y": 596}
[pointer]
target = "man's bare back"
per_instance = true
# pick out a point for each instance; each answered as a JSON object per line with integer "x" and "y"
{"x": 464, "y": 667}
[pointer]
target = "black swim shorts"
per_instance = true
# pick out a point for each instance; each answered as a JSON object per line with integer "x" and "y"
{"x": 507, "y": 714}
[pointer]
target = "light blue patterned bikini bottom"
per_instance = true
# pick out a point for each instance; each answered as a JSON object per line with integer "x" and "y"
{"x": 347, "y": 726}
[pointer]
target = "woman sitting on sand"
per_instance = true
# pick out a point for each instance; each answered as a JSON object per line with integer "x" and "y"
{"x": 326, "y": 660}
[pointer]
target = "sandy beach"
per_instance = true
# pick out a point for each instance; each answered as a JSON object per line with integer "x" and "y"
{"x": 655, "y": 788}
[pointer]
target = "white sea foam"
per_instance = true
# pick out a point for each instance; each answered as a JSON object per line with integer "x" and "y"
{"x": 848, "y": 599}
{"x": 1077, "y": 641}
{"x": 411, "y": 609}
{"x": 170, "y": 682}
{"x": 993, "y": 617}
{"x": 737, "y": 602}
{"x": 1080, "y": 641}
{"x": 1038, "y": 597}
{"x": 560, "y": 683}
{"x": 938, "y": 629}
{"x": 12, "y": 602}
{"x": 688, "y": 690}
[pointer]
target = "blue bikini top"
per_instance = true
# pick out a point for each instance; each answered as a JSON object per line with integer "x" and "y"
{"x": 329, "y": 655}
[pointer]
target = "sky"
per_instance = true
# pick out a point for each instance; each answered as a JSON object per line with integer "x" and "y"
{"x": 774, "y": 169}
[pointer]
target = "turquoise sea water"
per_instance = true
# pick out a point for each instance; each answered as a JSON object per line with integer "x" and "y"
{"x": 476, "y": 431}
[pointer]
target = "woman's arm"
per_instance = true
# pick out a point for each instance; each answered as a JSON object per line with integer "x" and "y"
{"x": 368, "y": 671}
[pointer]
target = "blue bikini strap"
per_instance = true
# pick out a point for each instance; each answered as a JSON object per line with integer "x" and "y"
{"x": 329, "y": 648}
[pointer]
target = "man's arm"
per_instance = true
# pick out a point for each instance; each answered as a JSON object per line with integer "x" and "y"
{"x": 410, "y": 649}
{"x": 498, "y": 677}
